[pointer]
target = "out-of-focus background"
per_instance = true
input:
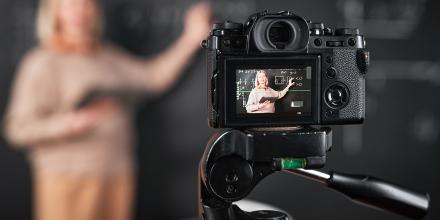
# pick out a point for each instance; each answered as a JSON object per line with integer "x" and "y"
{"x": 400, "y": 140}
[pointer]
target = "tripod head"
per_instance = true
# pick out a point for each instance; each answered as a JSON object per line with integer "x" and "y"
{"x": 235, "y": 161}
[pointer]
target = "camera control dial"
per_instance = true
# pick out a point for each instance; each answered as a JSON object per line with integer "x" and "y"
{"x": 337, "y": 95}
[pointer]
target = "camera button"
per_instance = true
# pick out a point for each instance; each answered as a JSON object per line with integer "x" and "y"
{"x": 329, "y": 113}
{"x": 331, "y": 72}
{"x": 352, "y": 42}
{"x": 329, "y": 59}
{"x": 318, "y": 42}
{"x": 328, "y": 31}
{"x": 227, "y": 42}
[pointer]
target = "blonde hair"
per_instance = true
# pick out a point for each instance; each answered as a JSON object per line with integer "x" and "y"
{"x": 47, "y": 24}
{"x": 259, "y": 72}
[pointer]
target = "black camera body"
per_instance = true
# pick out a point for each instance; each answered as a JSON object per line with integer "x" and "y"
{"x": 278, "y": 69}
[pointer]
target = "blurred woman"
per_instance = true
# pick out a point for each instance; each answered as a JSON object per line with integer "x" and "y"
{"x": 263, "y": 90}
{"x": 82, "y": 161}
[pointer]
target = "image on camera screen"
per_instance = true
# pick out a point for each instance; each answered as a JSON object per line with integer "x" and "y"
{"x": 280, "y": 91}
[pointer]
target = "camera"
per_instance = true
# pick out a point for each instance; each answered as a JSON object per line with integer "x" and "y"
{"x": 278, "y": 69}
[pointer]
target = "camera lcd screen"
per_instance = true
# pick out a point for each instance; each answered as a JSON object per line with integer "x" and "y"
{"x": 286, "y": 94}
{"x": 286, "y": 91}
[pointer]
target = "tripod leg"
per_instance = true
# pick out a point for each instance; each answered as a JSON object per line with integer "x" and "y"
{"x": 372, "y": 192}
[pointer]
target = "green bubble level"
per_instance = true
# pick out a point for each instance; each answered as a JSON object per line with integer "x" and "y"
{"x": 292, "y": 163}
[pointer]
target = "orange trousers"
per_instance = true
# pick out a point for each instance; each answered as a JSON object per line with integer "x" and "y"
{"x": 76, "y": 197}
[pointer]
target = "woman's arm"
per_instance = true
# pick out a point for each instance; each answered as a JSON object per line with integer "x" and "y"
{"x": 33, "y": 117}
{"x": 160, "y": 73}
{"x": 283, "y": 92}
{"x": 30, "y": 117}
{"x": 252, "y": 104}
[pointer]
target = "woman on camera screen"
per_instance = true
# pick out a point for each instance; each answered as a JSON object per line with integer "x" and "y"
{"x": 260, "y": 98}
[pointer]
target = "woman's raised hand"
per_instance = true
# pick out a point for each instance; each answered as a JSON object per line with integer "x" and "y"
{"x": 291, "y": 83}
{"x": 197, "y": 22}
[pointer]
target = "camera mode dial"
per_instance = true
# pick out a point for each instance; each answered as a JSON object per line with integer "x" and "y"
{"x": 316, "y": 29}
{"x": 227, "y": 25}
{"x": 347, "y": 32}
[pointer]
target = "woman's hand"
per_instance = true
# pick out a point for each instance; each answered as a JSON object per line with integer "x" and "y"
{"x": 89, "y": 117}
{"x": 285, "y": 90}
{"x": 264, "y": 104}
{"x": 165, "y": 69}
{"x": 197, "y": 23}
{"x": 291, "y": 83}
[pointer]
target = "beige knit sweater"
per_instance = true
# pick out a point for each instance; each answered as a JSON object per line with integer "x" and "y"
{"x": 48, "y": 86}
{"x": 255, "y": 97}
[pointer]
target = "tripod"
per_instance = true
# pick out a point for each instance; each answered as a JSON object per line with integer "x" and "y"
{"x": 235, "y": 161}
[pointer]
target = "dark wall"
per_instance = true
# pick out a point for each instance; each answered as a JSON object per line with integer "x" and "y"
{"x": 398, "y": 142}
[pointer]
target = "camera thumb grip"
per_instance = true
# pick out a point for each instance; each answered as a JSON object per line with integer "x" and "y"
{"x": 377, "y": 193}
